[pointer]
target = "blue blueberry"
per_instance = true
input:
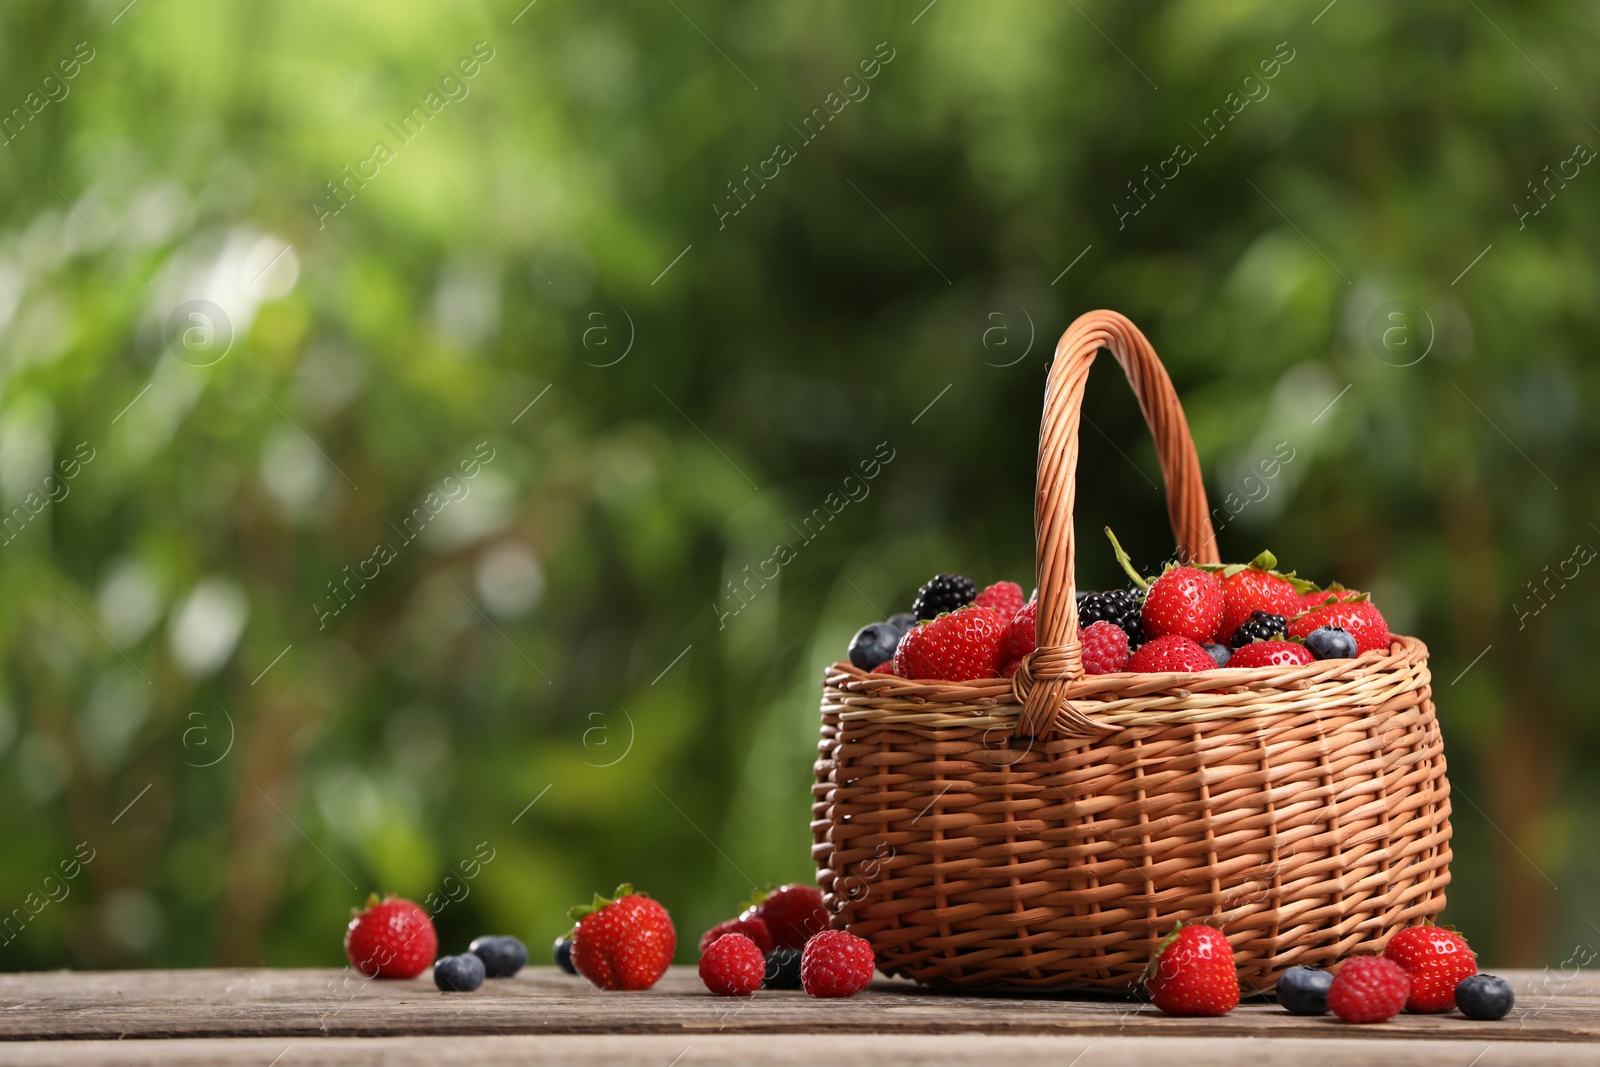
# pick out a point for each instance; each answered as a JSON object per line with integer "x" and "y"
{"x": 902, "y": 621}
{"x": 1220, "y": 653}
{"x": 783, "y": 969}
{"x": 873, "y": 644}
{"x": 1483, "y": 996}
{"x": 562, "y": 951}
{"x": 1304, "y": 990}
{"x": 1330, "y": 642}
{"x": 458, "y": 974}
{"x": 502, "y": 956}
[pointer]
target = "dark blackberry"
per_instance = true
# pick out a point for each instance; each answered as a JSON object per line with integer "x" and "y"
{"x": 944, "y": 592}
{"x": 1260, "y": 626}
{"x": 1120, "y": 607}
{"x": 783, "y": 969}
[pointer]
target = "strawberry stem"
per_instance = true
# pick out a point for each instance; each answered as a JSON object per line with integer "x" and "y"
{"x": 1127, "y": 564}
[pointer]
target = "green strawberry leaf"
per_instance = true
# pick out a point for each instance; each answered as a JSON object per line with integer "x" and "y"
{"x": 578, "y": 911}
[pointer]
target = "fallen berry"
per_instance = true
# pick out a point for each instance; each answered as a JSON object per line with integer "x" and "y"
{"x": 1271, "y": 654}
{"x": 1261, "y": 626}
{"x": 1330, "y": 642}
{"x": 502, "y": 956}
{"x": 792, "y": 914}
{"x": 957, "y": 647}
{"x": 458, "y": 974}
{"x": 1304, "y": 990}
{"x": 753, "y": 928}
{"x": 1171, "y": 653}
{"x": 1004, "y": 597}
{"x": 942, "y": 593}
{"x": 1368, "y": 989}
{"x": 1484, "y": 996}
{"x": 390, "y": 938}
{"x": 1436, "y": 960}
{"x": 561, "y": 951}
{"x": 1194, "y": 973}
{"x": 783, "y": 969}
{"x": 1105, "y": 648}
{"x": 732, "y": 966}
{"x": 836, "y": 963}
{"x": 625, "y": 943}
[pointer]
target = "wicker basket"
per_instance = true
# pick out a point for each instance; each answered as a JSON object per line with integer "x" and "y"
{"x": 1046, "y": 831}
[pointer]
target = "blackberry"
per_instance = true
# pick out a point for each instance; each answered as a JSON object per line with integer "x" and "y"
{"x": 1120, "y": 607}
{"x": 1260, "y": 626}
{"x": 944, "y": 592}
{"x": 783, "y": 969}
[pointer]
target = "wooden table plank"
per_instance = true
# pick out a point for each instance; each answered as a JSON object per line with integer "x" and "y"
{"x": 743, "y": 1050}
{"x": 325, "y": 1003}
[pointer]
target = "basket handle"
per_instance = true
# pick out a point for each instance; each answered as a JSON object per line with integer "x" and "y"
{"x": 1043, "y": 680}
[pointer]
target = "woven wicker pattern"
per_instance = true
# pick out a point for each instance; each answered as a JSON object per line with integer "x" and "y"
{"x": 1046, "y": 831}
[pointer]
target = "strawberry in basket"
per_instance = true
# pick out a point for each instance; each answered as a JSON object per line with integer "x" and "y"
{"x": 958, "y": 647}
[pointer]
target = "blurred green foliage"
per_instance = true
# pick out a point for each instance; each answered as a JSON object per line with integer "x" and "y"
{"x": 561, "y": 233}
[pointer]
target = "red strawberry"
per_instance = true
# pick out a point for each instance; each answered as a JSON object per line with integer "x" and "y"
{"x": 753, "y": 928}
{"x": 1368, "y": 989}
{"x": 1171, "y": 653}
{"x": 1004, "y": 597}
{"x": 1359, "y": 618}
{"x": 1271, "y": 654}
{"x": 792, "y": 914}
{"x": 1183, "y": 601}
{"x": 1105, "y": 648}
{"x": 886, "y": 667}
{"x": 1254, "y": 588}
{"x": 1021, "y": 636}
{"x": 958, "y": 647}
{"x": 1435, "y": 959}
{"x": 732, "y": 966}
{"x": 390, "y": 938}
{"x": 625, "y": 943}
{"x": 1193, "y": 973}
{"x": 836, "y": 963}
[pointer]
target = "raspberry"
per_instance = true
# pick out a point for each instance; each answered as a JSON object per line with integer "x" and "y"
{"x": 1271, "y": 654}
{"x": 390, "y": 938}
{"x": 1359, "y": 618}
{"x": 1260, "y": 626}
{"x": 836, "y": 963}
{"x": 753, "y": 928}
{"x": 1436, "y": 960}
{"x": 1171, "y": 653}
{"x": 1368, "y": 989}
{"x": 1105, "y": 648}
{"x": 957, "y": 647}
{"x": 942, "y": 593}
{"x": 1021, "y": 637}
{"x": 1004, "y": 597}
{"x": 1120, "y": 607}
{"x": 1183, "y": 601}
{"x": 732, "y": 966}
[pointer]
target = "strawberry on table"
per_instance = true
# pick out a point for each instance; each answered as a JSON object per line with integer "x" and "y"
{"x": 622, "y": 943}
{"x": 958, "y": 647}
{"x": 1193, "y": 973}
{"x": 792, "y": 914}
{"x": 1436, "y": 959}
{"x": 390, "y": 938}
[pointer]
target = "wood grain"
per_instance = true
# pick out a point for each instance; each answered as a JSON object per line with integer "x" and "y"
{"x": 291, "y": 1004}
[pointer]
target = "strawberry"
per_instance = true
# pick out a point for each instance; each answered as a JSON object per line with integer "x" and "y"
{"x": 1021, "y": 636}
{"x": 958, "y": 647}
{"x": 1193, "y": 973}
{"x": 1004, "y": 597}
{"x": 886, "y": 667}
{"x": 1105, "y": 648}
{"x": 1436, "y": 959}
{"x": 1254, "y": 588}
{"x": 622, "y": 943}
{"x": 1359, "y": 618}
{"x": 390, "y": 938}
{"x": 1184, "y": 601}
{"x": 1271, "y": 654}
{"x": 792, "y": 914}
{"x": 752, "y": 928}
{"x": 1172, "y": 653}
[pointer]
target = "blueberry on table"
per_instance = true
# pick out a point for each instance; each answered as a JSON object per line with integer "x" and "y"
{"x": 1304, "y": 990}
{"x": 873, "y": 644}
{"x": 458, "y": 974}
{"x": 1483, "y": 996}
{"x": 1331, "y": 642}
{"x": 562, "y": 951}
{"x": 502, "y": 956}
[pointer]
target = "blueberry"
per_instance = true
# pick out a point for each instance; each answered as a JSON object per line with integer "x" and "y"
{"x": 1330, "y": 642}
{"x": 1221, "y": 653}
{"x": 1483, "y": 996}
{"x": 902, "y": 621}
{"x": 458, "y": 974}
{"x": 873, "y": 644}
{"x": 1304, "y": 990}
{"x": 502, "y": 956}
{"x": 783, "y": 969}
{"x": 562, "y": 951}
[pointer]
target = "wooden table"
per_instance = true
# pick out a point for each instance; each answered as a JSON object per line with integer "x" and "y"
{"x": 279, "y": 1018}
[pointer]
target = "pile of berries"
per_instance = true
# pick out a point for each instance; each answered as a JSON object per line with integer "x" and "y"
{"x": 394, "y": 938}
{"x": 1424, "y": 969}
{"x": 782, "y": 941}
{"x": 1187, "y": 618}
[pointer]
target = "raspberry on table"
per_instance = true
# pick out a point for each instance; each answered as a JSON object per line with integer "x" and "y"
{"x": 1368, "y": 989}
{"x": 836, "y": 963}
{"x": 732, "y": 966}
{"x": 753, "y": 928}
